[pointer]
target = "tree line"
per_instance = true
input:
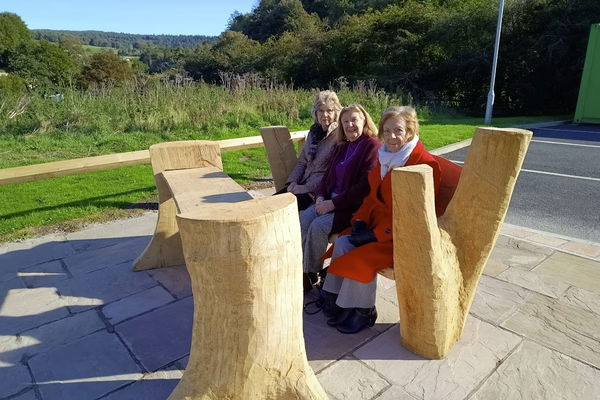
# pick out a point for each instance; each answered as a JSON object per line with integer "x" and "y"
{"x": 124, "y": 43}
{"x": 437, "y": 52}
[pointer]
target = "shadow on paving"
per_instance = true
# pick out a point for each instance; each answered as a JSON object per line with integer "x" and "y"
{"x": 80, "y": 323}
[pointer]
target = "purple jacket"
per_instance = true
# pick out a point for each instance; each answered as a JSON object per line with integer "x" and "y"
{"x": 355, "y": 185}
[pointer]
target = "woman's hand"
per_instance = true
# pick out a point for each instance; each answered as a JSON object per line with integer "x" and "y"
{"x": 324, "y": 207}
{"x": 291, "y": 187}
{"x": 299, "y": 189}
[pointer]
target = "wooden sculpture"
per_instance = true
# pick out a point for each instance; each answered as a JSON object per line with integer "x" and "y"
{"x": 438, "y": 263}
{"x": 164, "y": 249}
{"x": 244, "y": 260}
{"x": 280, "y": 153}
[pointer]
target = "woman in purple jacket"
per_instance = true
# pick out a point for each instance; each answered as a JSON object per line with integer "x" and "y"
{"x": 342, "y": 189}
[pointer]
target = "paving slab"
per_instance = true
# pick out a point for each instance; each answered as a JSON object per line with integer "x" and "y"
{"x": 496, "y": 300}
{"x": 512, "y": 252}
{"x": 14, "y": 378}
{"x": 103, "y": 286}
{"x": 162, "y": 336}
{"x": 535, "y": 372}
{"x": 85, "y": 369}
{"x": 23, "y": 309}
{"x": 577, "y": 271}
{"x": 100, "y": 235}
{"x": 126, "y": 250}
{"x": 175, "y": 279}
{"x": 543, "y": 284}
{"x": 28, "y": 395}
{"x": 324, "y": 344}
{"x": 350, "y": 379}
{"x": 567, "y": 329}
{"x": 469, "y": 362}
{"x": 44, "y": 275}
{"x": 583, "y": 299}
{"x": 14, "y": 283}
{"x": 18, "y": 255}
{"x": 154, "y": 386}
{"x": 395, "y": 393}
{"x": 136, "y": 304}
{"x": 34, "y": 341}
{"x": 182, "y": 362}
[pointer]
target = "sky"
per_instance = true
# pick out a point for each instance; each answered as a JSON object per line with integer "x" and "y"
{"x": 173, "y": 17}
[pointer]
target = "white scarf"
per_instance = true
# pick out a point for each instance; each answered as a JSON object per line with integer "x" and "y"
{"x": 389, "y": 160}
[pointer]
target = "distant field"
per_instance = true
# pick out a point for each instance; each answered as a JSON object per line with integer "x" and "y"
{"x": 126, "y": 119}
{"x": 95, "y": 49}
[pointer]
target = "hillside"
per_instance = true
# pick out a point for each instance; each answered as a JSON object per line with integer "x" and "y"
{"x": 125, "y": 42}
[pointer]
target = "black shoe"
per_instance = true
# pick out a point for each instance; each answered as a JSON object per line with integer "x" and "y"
{"x": 325, "y": 303}
{"x": 328, "y": 299}
{"x": 359, "y": 320}
{"x": 342, "y": 315}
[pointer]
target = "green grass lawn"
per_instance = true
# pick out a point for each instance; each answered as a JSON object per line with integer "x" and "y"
{"x": 68, "y": 202}
{"x": 97, "y": 49}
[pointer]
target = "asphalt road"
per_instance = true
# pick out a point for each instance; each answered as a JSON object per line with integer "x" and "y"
{"x": 558, "y": 189}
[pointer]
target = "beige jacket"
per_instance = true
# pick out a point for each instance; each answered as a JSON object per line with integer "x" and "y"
{"x": 310, "y": 172}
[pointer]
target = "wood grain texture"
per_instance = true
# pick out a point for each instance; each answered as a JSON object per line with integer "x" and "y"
{"x": 280, "y": 153}
{"x": 438, "y": 263}
{"x": 245, "y": 260}
{"x": 194, "y": 187}
{"x": 164, "y": 249}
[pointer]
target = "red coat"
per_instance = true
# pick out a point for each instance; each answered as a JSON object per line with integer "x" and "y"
{"x": 362, "y": 263}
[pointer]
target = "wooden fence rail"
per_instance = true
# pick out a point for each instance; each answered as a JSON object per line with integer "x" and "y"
{"x": 110, "y": 161}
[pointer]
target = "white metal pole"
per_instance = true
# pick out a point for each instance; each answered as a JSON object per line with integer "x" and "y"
{"x": 491, "y": 96}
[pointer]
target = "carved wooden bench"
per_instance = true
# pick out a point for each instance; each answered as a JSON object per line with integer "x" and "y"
{"x": 245, "y": 263}
{"x": 436, "y": 279}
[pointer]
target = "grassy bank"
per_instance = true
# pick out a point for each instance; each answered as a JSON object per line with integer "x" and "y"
{"x": 37, "y": 130}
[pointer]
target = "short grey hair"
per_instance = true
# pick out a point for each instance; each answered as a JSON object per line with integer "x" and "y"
{"x": 326, "y": 97}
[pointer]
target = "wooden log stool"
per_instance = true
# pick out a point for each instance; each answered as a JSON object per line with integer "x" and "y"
{"x": 244, "y": 259}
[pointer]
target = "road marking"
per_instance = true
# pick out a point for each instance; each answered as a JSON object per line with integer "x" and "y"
{"x": 586, "y": 178}
{"x": 565, "y": 130}
{"x": 566, "y": 144}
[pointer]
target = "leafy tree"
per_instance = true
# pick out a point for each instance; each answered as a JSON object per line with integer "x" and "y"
{"x": 233, "y": 52}
{"x": 299, "y": 57}
{"x": 201, "y": 64}
{"x": 11, "y": 85}
{"x": 106, "y": 69}
{"x": 43, "y": 65}
{"x": 236, "y": 52}
{"x": 13, "y": 33}
{"x": 160, "y": 59}
{"x": 332, "y": 11}
{"x": 273, "y": 18}
{"x": 72, "y": 45}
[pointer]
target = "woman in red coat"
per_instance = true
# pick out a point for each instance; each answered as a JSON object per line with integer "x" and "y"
{"x": 350, "y": 286}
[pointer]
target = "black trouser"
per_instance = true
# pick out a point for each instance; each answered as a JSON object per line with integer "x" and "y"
{"x": 304, "y": 199}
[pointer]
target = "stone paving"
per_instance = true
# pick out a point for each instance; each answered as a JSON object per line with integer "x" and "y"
{"x": 77, "y": 323}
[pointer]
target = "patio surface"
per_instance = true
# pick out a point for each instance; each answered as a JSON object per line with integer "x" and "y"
{"x": 77, "y": 323}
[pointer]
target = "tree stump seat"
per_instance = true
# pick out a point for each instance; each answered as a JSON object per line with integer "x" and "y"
{"x": 244, "y": 260}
